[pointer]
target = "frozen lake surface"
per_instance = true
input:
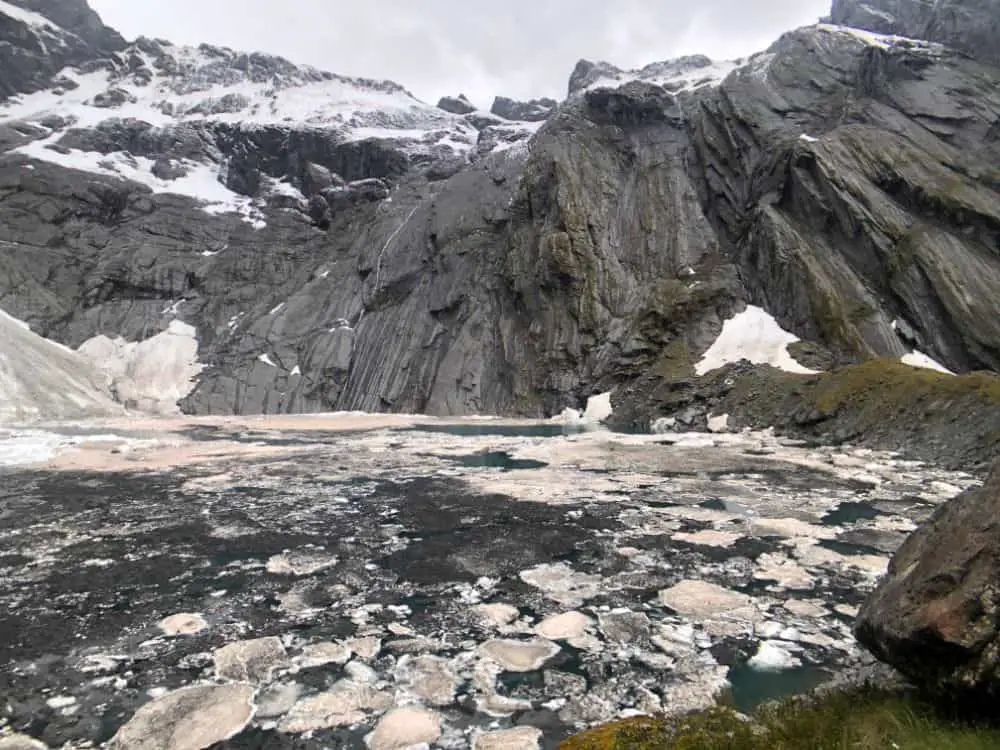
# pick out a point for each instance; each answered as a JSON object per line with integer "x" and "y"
{"x": 330, "y": 578}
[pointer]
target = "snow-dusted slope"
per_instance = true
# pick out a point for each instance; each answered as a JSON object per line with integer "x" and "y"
{"x": 681, "y": 74}
{"x": 41, "y": 380}
{"x": 210, "y": 92}
{"x": 164, "y": 84}
{"x": 693, "y": 72}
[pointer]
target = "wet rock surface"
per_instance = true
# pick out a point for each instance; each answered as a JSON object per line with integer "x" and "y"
{"x": 502, "y": 607}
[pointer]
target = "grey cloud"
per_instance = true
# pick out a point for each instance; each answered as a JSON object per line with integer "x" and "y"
{"x": 519, "y": 48}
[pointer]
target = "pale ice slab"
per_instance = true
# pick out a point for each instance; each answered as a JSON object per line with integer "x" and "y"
{"x": 151, "y": 375}
{"x": 771, "y": 657}
{"x": 44, "y": 380}
{"x": 755, "y": 336}
{"x": 598, "y": 408}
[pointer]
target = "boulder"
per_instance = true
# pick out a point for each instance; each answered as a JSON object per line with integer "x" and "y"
{"x": 534, "y": 110}
{"x": 456, "y": 105}
{"x": 936, "y": 615}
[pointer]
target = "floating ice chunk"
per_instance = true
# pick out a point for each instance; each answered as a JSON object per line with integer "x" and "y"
{"x": 772, "y": 658}
{"x": 719, "y": 423}
{"x": 598, "y": 408}
{"x": 919, "y": 359}
{"x": 755, "y": 336}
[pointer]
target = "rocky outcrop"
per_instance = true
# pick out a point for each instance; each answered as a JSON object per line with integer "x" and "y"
{"x": 535, "y": 110}
{"x": 457, "y": 105}
{"x": 38, "y": 38}
{"x": 972, "y": 26}
{"x": 934, "y": 616}
{"x": 400, "y": 257}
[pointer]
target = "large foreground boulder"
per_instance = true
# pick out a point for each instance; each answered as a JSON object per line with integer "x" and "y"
{"x": 935, "y": 616}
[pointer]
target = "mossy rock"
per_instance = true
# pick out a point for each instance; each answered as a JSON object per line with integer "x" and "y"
{"x": 859, "y": 718}
{"x": 887, "y": 385}
{"x": 675, "y": 362}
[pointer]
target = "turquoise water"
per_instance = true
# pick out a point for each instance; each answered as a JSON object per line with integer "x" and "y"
{"x": 496, "y": 460}
{"x": 488, "y": 429}
{"x": 751, "y": 687}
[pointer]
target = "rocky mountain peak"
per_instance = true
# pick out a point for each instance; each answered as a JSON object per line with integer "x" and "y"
{"x": 535, "y": 110}
{"x": 457, "y": 105}
{"x": 688, "y": 72}
{"x": 338, "y": 244}
{"x": 78, "y": 18}
{"x": 971, "y": 26}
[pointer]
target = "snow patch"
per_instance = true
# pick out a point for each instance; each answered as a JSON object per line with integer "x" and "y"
{"x": 187, "y": 84}
{"x": 755, "y": 336}
{"x": 27, "y": 16}
{"x": 919, "y": 359}
{"x": 676, "y": 76}
{"x": 808, "y": 138}
{"x": 201, "y": 182}
{"x": 151, "y": 375}
{"x": 883, "y": 41}
{"x": 266, "y": 360}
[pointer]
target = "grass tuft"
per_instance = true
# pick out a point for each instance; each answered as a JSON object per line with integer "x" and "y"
{"x": 851, "y": 720}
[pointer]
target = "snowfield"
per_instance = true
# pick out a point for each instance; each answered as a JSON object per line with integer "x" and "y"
{"x": 755, "y": 336}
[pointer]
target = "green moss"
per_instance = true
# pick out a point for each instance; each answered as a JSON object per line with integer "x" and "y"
{"x": 904, "y": 254}
{"x": 888, "y": 385}
{"x": 836, "y": 319}
{"x": 675, "y": 362}
{"x": 849, "y": 720}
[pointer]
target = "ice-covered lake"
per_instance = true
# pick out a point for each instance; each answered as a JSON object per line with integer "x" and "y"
{"x": 324, "y": 579}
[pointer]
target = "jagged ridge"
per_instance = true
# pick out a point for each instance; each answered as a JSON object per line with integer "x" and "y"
{"x": 840, "y": 180}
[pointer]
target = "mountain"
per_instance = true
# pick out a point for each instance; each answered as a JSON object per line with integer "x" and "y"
{"x": 338, "y": 244}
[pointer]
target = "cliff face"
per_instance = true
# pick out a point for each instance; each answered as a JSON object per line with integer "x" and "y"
{"x": 340, "y": 245}
{"x": 971, "y": 26}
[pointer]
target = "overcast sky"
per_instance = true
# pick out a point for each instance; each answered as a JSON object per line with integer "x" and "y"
{"x": 519, "y": 48}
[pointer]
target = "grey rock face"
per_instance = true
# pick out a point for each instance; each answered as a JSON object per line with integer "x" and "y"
{"x": 841, "y": 184}
{"x": 36, "y": 44}
{"x": 972, "y": 26}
